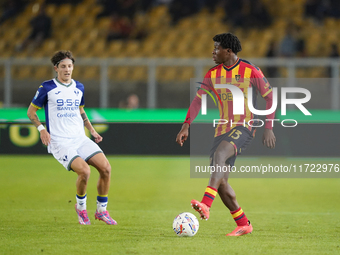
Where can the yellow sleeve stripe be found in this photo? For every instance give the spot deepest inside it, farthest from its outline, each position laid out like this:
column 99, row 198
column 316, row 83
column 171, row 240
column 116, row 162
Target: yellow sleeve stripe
column 267, row 93
column 211, row 191
column 198, row 95
column 235, row 215
column 35, row 106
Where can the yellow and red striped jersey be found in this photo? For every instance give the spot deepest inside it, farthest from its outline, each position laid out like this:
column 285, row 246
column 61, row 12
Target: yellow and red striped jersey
column 242, row 74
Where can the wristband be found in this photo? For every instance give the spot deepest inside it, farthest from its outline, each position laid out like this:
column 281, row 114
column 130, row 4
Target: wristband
column 41, row 127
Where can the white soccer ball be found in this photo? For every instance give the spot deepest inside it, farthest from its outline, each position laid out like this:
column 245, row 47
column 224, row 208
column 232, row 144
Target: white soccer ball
column 185, row 224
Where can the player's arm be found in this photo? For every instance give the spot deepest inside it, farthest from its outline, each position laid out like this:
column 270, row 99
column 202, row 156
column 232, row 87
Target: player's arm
column 263, row 86
column 97, row 138
column 193, row 111
column 32, row 115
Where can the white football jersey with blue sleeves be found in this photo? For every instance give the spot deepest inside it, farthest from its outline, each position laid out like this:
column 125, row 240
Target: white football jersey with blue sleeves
column 61, row 103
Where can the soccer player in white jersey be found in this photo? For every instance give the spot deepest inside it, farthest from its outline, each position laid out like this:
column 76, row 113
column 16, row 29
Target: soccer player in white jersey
column 64, row 136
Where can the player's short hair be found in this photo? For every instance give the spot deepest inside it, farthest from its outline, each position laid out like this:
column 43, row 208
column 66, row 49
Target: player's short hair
column 60, row 55
column 228, row 40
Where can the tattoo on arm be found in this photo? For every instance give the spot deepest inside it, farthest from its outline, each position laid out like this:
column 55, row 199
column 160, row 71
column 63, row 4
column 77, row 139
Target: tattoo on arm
column 34, row 119
column 83, row 115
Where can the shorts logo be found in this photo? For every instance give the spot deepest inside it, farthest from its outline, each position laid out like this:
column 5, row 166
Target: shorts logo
column 237, row 77
column 65, row 158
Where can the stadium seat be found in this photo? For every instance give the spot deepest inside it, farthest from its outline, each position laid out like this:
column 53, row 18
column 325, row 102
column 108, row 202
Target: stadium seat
column 167, row 73
column 121, row 73
column 115, row 49
column 51, row 10
column 132, row 49
column 42, row 73
column 98, row 50
column 48, row 47
column 139, row 73
column 22, row 72
column 91, row 73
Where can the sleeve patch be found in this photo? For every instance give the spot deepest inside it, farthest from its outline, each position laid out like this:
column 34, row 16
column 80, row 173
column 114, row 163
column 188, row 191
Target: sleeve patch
column 36, row 95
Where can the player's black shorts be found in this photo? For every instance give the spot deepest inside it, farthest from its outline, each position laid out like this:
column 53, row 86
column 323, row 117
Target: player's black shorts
column 240, row 137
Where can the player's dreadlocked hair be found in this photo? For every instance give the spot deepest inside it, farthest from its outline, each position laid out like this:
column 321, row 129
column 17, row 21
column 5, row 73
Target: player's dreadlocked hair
column 228, row 40
column 60, row 55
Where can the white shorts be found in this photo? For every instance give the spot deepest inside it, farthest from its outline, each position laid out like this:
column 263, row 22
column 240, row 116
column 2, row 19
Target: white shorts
column 66, row 150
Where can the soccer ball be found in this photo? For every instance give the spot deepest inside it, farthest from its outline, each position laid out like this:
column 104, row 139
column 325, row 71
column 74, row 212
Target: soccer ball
column 185, row 224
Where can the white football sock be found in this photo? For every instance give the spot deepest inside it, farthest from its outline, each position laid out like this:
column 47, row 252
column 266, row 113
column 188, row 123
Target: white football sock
column 81, row 203
column 101, row 206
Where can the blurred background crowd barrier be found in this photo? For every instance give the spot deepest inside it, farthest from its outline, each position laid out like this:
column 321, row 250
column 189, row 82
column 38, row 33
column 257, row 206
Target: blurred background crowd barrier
column 158, row 82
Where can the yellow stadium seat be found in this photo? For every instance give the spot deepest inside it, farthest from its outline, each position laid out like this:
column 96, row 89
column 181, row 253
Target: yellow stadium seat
column 51, row 10
column 64, row 11
column 132, row 49
column 91, row 73
column 121, row 73
column 43, row 72
column 82, row 48
column 67, row 45
column 167, row 73
column 139, row 73
column 98, row 49
column 186, row 73
column 81, row 10
column 22, row 72
column 115, row 49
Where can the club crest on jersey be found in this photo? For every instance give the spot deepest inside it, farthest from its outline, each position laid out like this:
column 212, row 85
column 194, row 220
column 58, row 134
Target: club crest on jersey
column 237, row 77
column 76, row 92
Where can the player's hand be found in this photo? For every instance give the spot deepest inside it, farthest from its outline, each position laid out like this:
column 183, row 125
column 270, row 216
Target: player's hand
column 183, row 134
column 45, row 137
column 97, row 137
column 268, row 138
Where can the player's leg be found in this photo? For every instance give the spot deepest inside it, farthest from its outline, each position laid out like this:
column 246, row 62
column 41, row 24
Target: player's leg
column 228, row 197
column 82, row 169
column 100, row 162
column 227, row 193
column 223, row 151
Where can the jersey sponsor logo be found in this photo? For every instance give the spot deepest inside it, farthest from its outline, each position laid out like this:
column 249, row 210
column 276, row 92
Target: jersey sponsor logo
column 57, row 92
column 66, row 115
column 67, row 104
column 226, row 96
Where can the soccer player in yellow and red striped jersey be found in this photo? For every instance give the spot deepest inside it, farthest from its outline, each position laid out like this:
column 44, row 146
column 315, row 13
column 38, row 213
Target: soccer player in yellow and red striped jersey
column 235, row 135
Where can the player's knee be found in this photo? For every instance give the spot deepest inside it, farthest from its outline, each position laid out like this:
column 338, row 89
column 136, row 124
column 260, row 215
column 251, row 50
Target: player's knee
column 221, row 156
column 105, row 170
column 223, row 152
column 85, row 173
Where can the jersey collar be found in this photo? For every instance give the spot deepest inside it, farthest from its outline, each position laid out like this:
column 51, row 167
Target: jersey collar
column 66, row 85
column 228, row 68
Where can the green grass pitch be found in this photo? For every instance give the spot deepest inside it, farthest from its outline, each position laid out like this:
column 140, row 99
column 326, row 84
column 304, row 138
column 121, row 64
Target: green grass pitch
column 37, row 197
